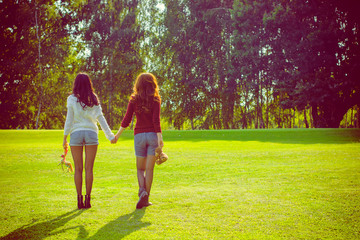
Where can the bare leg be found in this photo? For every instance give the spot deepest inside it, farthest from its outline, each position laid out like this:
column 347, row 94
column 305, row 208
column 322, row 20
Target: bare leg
column 149, row 174
column 145, row 173
column 90, row 154
column 77, row 154
column 141, row 166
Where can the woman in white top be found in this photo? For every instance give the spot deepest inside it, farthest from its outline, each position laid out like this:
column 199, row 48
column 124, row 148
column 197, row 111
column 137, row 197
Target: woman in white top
column 83, row 113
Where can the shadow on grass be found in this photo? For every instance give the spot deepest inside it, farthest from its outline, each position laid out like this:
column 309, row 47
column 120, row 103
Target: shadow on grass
column 122, row 226
column 46, row 229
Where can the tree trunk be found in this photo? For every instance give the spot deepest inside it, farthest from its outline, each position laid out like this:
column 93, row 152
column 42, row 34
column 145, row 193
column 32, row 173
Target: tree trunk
column 279, row 118
column 229, row 104
column 311, row 118
column 329, row 115
column 246, row 121
column 40, row 71
column 110, row 90
column 315, row 116
column 242, row 118
column 260, row 117
column 260, row 113
column 357, row 116
column 267, row 109
column 305, row 119
column 298, row 119
column 256, row 106
column 345, row 120
column 294, row 117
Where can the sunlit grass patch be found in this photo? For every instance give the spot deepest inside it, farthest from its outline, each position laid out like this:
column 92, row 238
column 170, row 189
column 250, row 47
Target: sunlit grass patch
column 251, row 184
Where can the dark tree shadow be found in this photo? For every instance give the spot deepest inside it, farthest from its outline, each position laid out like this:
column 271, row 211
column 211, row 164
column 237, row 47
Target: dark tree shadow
column 43, row 230
column 122, row 226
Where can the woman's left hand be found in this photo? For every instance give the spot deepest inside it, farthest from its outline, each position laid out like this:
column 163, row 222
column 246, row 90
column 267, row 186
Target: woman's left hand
column 160, row 140
column 161, row 143
column 114, row 140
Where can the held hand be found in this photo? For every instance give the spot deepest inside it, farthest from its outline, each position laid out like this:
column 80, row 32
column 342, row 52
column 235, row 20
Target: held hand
column 114, row 140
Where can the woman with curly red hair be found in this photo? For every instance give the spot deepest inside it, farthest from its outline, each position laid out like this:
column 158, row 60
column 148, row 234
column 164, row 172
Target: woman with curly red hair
column 145, row 102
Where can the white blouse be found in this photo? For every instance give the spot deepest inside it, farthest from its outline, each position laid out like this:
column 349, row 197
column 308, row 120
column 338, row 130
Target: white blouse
column 78, row 118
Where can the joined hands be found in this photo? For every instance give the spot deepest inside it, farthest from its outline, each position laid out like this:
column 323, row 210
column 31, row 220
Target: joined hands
column 116, row 138
column 117, row 135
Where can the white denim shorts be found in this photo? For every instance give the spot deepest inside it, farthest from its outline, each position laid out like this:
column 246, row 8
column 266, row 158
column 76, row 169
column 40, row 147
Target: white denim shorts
column 145, row 144
column 83, row 137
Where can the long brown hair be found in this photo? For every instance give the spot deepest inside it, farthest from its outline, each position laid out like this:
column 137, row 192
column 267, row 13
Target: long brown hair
column 84, row 91
column 145, row 92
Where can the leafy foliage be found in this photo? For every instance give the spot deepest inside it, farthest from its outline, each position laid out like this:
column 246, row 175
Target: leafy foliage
column 220, row 64
column 113, row 36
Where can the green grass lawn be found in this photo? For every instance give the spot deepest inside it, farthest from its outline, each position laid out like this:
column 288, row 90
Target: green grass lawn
column 236, row 184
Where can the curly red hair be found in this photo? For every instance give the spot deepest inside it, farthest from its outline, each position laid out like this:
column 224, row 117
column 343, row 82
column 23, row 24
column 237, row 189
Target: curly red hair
column 145, row 92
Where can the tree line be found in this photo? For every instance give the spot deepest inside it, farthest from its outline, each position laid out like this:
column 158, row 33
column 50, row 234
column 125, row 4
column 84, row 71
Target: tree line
column 221, row 64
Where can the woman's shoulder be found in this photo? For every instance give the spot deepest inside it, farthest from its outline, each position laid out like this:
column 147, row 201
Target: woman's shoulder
column 72, row 97
column 132, row 99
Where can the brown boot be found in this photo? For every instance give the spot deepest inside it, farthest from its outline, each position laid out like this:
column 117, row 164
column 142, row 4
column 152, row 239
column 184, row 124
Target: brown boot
column 80, row 202
column 87, row 201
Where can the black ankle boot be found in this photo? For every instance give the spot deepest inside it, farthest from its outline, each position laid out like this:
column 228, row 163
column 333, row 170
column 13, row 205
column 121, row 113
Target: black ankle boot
column 87, row 201
column 80, row 202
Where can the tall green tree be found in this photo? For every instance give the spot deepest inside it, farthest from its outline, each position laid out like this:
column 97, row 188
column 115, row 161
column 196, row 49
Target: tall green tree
column 26, row 26
column 112, row 34
column 316, row 44
column 212, row 31
column 302, row 52
column 220, row 64
column 180, row 98
column 197, row 46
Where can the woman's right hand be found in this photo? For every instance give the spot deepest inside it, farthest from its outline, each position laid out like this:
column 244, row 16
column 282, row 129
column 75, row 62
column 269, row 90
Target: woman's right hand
column 65, row 144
